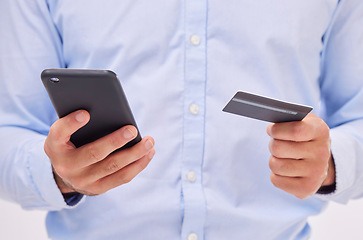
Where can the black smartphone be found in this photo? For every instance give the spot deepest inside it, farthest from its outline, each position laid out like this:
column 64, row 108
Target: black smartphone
column 97, row 91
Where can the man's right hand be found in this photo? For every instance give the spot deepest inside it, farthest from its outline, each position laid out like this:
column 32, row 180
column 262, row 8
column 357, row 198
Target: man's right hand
column 92, row 169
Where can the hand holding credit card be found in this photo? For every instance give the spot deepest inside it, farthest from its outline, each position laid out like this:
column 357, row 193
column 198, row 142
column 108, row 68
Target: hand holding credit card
column 266, row 109
column 301, row 162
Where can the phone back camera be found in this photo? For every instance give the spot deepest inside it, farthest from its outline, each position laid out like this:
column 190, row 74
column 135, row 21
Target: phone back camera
column 54, row 80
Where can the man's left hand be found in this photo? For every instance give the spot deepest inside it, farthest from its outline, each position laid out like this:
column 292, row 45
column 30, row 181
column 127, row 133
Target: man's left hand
column 301, row 161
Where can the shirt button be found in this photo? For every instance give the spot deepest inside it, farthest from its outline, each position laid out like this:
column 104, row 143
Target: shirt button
column 194, row 109
column 192, row 236
column 195, row 40
column 191, row 176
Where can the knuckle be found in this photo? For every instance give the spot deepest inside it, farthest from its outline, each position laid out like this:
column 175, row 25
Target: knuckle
column 115, row 141
column 54, row 133
column 93, row 153
column 112, row 166
column 273, row 165
column 48, row 149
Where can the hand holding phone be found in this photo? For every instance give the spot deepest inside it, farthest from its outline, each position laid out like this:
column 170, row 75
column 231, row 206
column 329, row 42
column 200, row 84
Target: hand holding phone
column 91, row 166
column 91, row 169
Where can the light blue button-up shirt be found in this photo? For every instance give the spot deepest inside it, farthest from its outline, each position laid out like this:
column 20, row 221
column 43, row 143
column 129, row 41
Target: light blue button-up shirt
column 180, row 62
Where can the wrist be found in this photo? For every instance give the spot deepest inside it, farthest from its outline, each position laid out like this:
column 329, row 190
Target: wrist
column 329, row 184
column 330, row 177
column 62, row 186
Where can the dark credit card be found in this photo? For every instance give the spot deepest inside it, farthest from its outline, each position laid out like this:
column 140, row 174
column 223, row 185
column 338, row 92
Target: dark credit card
column 266, row 109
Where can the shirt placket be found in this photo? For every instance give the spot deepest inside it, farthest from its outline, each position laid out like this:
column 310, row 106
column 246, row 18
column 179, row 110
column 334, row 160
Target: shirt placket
column 194, row 119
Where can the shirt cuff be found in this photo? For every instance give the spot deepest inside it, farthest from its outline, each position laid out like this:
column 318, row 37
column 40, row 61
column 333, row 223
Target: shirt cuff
column 72, row 198
column 344, row 154
column 43, row 182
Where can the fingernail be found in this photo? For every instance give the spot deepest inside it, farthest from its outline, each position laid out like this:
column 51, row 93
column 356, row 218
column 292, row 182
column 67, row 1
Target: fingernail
column 128, row 134
column 148, row 145
column 80, row 117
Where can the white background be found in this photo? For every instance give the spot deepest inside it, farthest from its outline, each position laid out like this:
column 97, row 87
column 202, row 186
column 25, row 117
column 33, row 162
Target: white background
column 338, row 222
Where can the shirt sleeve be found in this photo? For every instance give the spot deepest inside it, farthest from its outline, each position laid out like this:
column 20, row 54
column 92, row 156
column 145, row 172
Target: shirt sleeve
column 29, row 43
column 342, row 95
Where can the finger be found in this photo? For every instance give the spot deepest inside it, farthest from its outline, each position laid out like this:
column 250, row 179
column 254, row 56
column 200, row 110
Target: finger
column 310, row 128
column 121, row 159
column 301, row 187
column 125, row 175
column 289, row 167
column 61, row 131
column 291, row 131
column 101, row 148
column 88, row 176
column 289, row 149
